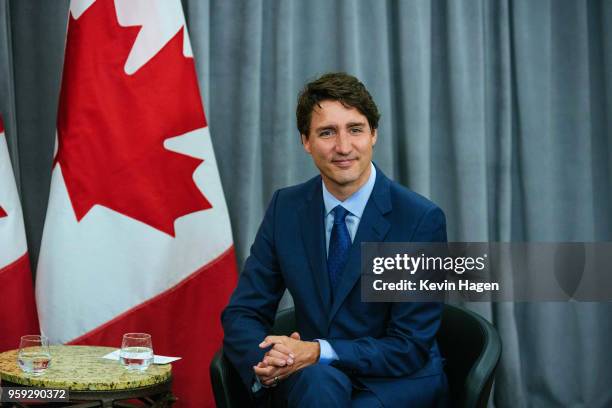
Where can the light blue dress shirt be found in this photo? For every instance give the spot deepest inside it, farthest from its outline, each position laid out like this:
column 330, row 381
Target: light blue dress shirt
column 355, row 204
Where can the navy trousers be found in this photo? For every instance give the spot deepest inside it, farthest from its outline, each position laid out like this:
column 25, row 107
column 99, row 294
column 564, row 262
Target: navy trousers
column 321, row 385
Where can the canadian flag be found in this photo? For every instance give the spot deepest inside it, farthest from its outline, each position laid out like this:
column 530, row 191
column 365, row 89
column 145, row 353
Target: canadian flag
column 17, row 308
column 137, row 236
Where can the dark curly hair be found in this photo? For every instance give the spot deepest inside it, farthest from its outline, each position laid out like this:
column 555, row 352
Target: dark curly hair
column 335, row 86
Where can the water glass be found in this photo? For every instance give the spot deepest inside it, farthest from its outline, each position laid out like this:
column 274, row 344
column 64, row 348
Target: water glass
column 34, row 355
column 136, row 351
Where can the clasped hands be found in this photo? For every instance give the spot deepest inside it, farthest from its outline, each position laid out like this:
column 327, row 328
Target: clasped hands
column 287, row 355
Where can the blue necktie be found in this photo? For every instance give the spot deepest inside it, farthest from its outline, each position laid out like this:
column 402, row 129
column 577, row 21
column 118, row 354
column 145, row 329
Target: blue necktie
column 339, row 245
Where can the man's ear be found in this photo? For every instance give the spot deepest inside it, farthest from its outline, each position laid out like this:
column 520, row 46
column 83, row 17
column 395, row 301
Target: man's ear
column 305, row 142
column 374, row 136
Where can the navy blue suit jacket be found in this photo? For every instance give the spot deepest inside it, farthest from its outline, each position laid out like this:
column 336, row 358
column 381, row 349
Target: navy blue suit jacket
column 386, row 346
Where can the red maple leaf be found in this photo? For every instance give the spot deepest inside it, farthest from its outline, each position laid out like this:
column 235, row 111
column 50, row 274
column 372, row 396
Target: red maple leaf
column 112, row 126
column 2, row 212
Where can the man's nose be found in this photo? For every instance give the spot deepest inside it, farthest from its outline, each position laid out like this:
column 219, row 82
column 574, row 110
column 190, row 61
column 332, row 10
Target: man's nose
column 343, row 143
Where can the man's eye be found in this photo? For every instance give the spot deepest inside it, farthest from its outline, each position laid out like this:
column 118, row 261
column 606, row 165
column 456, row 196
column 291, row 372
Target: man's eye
column 325, row 133
column 356, row 130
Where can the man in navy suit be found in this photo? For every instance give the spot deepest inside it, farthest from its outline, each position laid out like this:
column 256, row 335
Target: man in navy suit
column 345, row 352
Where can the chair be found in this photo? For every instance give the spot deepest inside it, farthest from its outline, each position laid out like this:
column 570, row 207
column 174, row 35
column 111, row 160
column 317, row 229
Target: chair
column 472, row 348
column 470, row 345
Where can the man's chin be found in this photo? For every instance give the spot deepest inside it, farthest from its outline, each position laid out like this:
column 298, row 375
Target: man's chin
column 343, row 180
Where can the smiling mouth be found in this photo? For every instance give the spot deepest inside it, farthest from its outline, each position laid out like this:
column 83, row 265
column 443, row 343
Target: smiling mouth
column 343, row 163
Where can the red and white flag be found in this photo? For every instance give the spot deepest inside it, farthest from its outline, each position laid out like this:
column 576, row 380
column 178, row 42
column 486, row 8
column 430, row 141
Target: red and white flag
column 17, row 308
column 137, row 236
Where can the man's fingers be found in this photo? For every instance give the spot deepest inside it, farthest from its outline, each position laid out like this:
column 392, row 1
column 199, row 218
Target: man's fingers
column 266, row 375
column 295, row 335
column 284, row 349
column 277, row 354
column 269, row 340
column 272, row 381
column 264, row 371
column 278, row 362
column 280, row 372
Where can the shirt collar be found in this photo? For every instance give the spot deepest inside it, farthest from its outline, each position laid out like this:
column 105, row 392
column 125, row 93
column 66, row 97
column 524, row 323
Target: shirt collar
column 356, row 202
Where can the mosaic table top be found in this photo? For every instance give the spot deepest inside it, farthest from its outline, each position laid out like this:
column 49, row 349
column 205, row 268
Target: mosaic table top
column 82, row 368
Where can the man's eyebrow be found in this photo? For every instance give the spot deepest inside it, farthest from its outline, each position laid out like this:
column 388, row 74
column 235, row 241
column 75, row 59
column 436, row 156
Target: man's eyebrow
column 325, row 127
column 333, row 126
column 351, row 124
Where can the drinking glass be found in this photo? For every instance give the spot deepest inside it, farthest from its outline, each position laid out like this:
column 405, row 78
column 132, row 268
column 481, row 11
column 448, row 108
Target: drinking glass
column 136, row 351
column 34, row 355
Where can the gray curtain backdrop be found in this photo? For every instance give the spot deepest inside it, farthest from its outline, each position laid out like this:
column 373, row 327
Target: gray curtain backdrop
column 499, row 111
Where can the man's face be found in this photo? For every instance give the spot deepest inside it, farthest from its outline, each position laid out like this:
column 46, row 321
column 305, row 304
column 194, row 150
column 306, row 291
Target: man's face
column 340, row 143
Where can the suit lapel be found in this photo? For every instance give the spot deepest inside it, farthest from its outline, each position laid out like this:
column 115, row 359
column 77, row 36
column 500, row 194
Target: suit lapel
column 313, row 234
column 373, row 227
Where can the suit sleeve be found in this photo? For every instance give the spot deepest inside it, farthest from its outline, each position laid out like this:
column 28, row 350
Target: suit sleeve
column 249, row 316
column 411, row 328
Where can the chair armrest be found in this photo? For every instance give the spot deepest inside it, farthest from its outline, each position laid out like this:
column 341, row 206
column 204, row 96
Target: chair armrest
column 227, row 386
